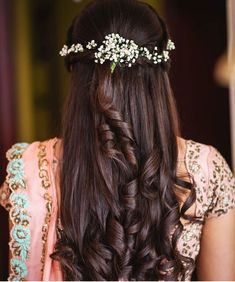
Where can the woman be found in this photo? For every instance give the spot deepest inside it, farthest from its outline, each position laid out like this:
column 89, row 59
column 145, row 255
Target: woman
column 120, row 195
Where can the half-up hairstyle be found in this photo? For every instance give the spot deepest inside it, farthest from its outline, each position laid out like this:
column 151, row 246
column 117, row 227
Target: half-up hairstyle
column 118, row 174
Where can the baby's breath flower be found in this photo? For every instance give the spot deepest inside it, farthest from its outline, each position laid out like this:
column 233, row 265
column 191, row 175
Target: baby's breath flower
column 91, row 45
column 120, row 51
column 64, row 51
column 170, row 45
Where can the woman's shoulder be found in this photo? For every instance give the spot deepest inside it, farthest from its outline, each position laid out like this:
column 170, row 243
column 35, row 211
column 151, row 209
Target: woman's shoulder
column 213, row 178
column 26, row 163
column 199, row 155
column 26, row 154
column 31, row 151
column 206, row 162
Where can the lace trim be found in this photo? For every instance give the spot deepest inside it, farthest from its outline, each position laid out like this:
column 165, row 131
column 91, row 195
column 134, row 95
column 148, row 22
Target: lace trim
column 19, row 214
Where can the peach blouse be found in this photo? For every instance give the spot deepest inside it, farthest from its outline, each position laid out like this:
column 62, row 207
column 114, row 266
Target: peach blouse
column 29, row 194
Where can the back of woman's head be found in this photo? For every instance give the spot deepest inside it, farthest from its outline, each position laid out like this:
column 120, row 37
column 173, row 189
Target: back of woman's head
column 118, row 177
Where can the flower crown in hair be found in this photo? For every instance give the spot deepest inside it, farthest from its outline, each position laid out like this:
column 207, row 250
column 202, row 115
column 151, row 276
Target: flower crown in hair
column 120, row 51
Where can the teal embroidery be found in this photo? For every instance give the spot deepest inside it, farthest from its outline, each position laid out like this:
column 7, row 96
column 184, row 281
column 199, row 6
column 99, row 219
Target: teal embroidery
column 15, row 169
column 19, row 214
column 16, row 150
column 20, row 200
column 21, row 236
column 20, row 269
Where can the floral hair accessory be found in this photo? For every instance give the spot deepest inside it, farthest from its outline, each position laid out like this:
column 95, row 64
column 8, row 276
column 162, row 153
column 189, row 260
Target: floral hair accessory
column 120, row 51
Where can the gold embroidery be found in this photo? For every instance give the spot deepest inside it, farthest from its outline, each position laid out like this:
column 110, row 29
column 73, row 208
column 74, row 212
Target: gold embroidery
column 191, row 233
column 45, row 180
column 222, row 186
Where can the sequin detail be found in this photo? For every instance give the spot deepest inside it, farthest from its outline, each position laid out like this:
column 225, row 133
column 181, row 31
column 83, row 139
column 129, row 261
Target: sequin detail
column 221, row 186
column 191, row 233
column 45, row 180
column 191, row 239
column 194, row 166
column 19, row 214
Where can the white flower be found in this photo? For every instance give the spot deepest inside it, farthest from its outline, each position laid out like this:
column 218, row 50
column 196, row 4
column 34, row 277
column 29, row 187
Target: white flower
column 64, row 51
column 92, row 44
column 121, row 51
column 170, row 45
column 79, row 48
column 166, row 55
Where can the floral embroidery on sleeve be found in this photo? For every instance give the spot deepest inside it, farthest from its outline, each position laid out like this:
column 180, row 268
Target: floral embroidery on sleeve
column 221, row 185
column 19, row 215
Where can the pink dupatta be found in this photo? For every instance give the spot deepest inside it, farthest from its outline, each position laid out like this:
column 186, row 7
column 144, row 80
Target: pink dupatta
column 33, row 211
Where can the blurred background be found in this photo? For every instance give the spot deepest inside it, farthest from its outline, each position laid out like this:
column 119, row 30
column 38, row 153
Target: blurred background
column 34, row 83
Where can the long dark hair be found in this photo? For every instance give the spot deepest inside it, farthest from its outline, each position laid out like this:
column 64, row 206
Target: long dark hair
column 118, row 177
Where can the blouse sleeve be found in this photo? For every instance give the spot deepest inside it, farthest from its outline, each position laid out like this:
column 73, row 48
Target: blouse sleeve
column 221, row 193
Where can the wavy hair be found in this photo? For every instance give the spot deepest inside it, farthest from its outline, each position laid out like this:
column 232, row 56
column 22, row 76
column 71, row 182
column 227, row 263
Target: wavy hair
column 119, row 210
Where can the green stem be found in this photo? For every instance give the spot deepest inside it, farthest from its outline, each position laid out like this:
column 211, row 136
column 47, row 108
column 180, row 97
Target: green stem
column 113, row 66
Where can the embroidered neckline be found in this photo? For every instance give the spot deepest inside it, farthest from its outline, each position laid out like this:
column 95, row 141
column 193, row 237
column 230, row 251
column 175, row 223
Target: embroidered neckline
column 19, row 214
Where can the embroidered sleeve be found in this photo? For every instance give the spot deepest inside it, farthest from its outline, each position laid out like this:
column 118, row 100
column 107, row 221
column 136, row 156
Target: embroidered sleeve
column 221, row 185
column 18, row 211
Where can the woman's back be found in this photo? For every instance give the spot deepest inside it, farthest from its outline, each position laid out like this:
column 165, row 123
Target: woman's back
column 35, row 167
column 126, row 180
